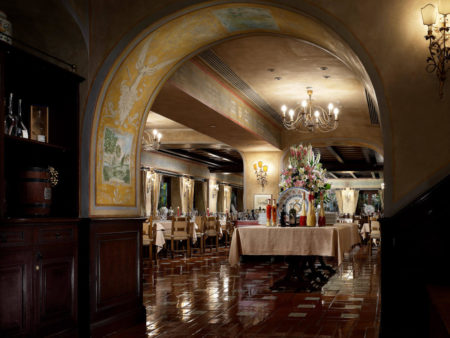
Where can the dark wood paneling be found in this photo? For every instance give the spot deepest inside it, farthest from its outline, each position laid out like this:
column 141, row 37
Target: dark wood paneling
column 414, row 254
column 56, row 289
column 15, row 293
column 110, row 275
column 117, row 269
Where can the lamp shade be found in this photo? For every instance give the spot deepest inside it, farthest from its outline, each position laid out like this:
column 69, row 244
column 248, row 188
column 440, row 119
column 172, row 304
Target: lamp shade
column 265, row 168
column 260, row 164
column 254, row 166
column 444, row 7
column 429, row 15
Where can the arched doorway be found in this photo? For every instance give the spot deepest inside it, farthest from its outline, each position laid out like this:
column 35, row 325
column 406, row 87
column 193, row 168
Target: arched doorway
column 118, row 110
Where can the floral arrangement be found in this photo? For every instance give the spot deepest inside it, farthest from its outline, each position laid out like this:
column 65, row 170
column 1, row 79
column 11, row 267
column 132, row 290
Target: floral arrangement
column 304, row 171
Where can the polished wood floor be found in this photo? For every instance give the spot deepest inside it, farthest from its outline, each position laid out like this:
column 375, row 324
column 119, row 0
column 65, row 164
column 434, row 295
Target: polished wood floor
column 205, row 297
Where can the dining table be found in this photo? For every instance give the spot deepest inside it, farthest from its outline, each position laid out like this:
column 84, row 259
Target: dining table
column 301, row 245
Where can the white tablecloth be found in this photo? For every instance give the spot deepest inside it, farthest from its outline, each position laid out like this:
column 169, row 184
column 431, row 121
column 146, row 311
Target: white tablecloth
column 297, row 241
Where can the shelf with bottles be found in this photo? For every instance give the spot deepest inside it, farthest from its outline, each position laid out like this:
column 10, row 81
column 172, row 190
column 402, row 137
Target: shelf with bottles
column 16, row 140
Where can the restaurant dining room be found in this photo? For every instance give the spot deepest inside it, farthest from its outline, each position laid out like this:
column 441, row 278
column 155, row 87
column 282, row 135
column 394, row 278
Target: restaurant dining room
column 224, row 169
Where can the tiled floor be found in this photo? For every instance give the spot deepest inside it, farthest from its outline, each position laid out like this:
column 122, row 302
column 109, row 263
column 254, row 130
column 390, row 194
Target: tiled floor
column 205, row 297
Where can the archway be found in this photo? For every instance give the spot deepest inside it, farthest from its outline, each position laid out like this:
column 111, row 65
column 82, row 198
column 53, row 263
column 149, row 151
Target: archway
column 117, row 112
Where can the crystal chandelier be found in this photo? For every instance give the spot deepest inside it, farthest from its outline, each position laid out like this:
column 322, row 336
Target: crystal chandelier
column 309, row 117
column 153, row 140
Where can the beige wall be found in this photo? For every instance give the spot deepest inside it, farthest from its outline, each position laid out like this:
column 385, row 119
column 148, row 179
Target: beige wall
column 251, row 186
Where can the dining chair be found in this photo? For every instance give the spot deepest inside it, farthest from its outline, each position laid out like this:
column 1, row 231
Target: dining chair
column 375, row 234
column 198, row 245
column 211, row 229
column 148, row 236
column 180, row 233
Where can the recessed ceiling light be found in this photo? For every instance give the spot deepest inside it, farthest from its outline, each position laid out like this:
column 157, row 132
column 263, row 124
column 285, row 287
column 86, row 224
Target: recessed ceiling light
column 212, row 126
column 324, row 68
column 326, row 76
column 271, row 70
column 278, row 78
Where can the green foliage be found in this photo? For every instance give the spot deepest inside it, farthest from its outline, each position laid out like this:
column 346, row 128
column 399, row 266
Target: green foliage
column 110, row 141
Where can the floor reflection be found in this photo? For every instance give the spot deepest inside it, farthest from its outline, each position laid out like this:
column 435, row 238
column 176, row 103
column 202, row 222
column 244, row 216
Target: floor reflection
column 204, row 296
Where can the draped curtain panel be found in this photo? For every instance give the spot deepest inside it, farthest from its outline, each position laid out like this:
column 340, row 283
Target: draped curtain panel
column 183, row 195
column 156, row 186
column 355, row 201
column 338, row 194
column 220, row 198
column 191, row 184
column 142, row 192
column 205, row 197
column 227, row 198
column 349, row 200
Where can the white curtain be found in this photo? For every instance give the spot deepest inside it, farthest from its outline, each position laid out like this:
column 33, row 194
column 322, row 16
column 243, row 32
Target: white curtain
column 147, row 193
column 191, row 185
column 183, row 195
column 227, row 198
column 349, row 201
column 338, row 194
column 156, row 186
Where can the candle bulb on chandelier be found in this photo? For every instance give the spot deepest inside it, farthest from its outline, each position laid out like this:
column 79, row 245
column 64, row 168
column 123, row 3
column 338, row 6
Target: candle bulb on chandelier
column 336, row 112
column 330, row 108
column 283, row 109
column 291, row 114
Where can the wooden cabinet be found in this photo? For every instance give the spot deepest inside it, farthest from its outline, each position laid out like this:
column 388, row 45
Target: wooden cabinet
column 38, row 256
column 38, row 277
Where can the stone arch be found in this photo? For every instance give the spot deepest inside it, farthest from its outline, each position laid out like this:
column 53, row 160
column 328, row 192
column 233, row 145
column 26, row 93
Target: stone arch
column 124, row 91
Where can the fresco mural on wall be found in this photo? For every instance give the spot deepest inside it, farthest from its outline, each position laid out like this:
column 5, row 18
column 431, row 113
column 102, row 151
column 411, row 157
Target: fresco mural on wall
column 116, row 157
column 244, row 18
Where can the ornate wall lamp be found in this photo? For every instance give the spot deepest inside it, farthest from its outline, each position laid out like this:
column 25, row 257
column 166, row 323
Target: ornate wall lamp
column 261, row 172
column 438, row 36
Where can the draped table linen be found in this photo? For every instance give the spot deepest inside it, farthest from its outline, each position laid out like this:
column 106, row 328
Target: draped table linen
column 331, row 241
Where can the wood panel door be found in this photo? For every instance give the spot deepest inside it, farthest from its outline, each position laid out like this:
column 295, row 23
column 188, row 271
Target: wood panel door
column 15, row 293
column 55, row 289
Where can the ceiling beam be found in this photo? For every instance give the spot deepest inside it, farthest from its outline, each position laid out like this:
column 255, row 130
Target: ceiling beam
column 227, row 169
column 216, row 154
column 331, row 174
column 335, row 153
column 186, row 155
column 358, row 166
column 373, row 174
column 352, row 174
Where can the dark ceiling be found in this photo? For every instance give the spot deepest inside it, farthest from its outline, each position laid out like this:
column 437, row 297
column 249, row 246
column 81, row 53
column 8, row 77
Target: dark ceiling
column 340, row 161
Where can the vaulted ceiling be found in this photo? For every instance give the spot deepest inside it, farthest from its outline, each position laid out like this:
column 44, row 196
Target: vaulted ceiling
column 262, row 73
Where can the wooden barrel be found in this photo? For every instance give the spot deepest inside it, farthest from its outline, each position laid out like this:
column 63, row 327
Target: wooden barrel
column 35, row 192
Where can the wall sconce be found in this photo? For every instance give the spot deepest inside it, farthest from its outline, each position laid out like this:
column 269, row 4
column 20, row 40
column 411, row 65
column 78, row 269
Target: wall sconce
column 261, row 172
column 214, row 189
column 439, row 51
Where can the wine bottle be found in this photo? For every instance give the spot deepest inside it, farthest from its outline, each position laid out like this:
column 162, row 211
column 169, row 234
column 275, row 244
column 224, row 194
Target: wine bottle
column 283, row 216
column 268, row 213
column 274, row 213
column 311, row 218
column 322, row 220
column 303, row 213
column 10, row 125
column 22, row 131
column 292, row 217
